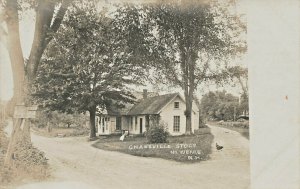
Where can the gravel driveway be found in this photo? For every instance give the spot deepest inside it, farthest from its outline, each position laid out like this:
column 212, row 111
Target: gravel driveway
column 76, row 164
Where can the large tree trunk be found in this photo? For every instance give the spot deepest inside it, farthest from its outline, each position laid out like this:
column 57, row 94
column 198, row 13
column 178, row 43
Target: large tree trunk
column 17, row 64
column 188, row 114
column 189, row 87
column 15, row 51
column 45, row 12
column 92, row 112
column 43, row 19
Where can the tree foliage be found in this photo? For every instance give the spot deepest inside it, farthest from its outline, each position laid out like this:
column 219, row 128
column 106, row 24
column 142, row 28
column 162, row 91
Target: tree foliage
column 221, row 105
column 240, row 74
column 89, row 64
column 193, row 42
column 58, row 119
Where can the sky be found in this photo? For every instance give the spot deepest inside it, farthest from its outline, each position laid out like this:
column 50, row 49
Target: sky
column 6, row 85
column 26, row 35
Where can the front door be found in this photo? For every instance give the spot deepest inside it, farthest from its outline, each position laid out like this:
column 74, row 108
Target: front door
column 118, row 123
column 103, row 126
column 141, row 125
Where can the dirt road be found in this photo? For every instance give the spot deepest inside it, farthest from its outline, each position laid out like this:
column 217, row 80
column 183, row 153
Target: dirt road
column 75, row 164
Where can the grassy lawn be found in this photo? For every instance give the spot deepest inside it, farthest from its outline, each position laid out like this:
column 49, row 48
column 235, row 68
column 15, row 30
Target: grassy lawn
column 243, row 131
column 62, row 131
column 189, row 149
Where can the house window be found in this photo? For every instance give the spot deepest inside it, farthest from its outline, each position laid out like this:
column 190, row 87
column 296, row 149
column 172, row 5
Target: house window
column 176, row 124
column 176, row 105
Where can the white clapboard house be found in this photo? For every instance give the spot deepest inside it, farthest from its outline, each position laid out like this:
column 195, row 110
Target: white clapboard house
column 149, row 109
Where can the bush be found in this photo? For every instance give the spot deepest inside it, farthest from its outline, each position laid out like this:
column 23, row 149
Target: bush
column 3, row 148
column 236, row 124
column 157, row 134
column 28, row 161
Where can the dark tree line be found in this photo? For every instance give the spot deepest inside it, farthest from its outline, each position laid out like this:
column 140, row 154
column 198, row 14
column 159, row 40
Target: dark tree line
column 221, row 105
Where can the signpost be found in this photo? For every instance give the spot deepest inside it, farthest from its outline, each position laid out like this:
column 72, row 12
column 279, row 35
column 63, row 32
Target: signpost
column 26, row 112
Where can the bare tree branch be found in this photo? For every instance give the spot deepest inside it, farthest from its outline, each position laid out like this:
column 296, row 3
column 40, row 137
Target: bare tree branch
column 58, row 19
column 44, row 32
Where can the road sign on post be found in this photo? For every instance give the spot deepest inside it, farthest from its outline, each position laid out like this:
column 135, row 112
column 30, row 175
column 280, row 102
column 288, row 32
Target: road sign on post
column 22, row 111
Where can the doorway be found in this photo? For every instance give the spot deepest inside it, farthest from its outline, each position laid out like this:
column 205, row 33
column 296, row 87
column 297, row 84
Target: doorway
column 141, row 125
column 118, row 123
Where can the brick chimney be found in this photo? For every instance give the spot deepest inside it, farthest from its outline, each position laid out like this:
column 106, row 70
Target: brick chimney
column 145, row 93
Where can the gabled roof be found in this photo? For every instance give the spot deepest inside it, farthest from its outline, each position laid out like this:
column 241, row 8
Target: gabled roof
column 152, row 105
column 114, row 110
